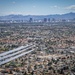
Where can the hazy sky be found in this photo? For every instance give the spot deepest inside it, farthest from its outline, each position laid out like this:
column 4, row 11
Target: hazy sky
column 36, row 7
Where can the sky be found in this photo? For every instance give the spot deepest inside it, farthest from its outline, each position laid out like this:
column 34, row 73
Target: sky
column 36, row 7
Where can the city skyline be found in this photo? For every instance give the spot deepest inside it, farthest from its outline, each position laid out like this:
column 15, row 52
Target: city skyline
column 36, row 7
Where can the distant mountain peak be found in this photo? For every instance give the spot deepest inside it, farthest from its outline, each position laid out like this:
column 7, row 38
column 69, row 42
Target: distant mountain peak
column 70, row 15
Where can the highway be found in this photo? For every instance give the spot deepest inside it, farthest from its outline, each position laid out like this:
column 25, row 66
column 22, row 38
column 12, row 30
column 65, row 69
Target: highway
column 15, row 53
column 14, row 50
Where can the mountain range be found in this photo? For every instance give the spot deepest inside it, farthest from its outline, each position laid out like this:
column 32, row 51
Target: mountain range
column 70, row 15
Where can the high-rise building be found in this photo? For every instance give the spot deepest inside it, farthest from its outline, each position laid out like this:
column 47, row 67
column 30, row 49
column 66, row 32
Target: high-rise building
column 53, row 20
column 48, row 19
column 30, row 20
column 45, row 19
